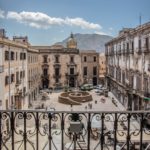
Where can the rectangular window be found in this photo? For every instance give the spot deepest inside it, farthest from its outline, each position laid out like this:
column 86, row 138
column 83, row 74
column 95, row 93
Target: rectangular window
column 132, row 45
column 24, row 56
column 56, row 59
column 139, row 44
column 71, row 70
column 147, row 42
column 45, row 72
column 6, row 80
column 94, row 58
column 21, row 75
column 12, row 78
column 24, row 90
column 45, row 59
column 12, row 56
column 6, row 55
column 12, row 98
column 17, row 77
column 94, row 70
column 72, row 59
column 85, row 71
column 56, row 71
column 20, row 56
column 85, row 59
column 127, row 46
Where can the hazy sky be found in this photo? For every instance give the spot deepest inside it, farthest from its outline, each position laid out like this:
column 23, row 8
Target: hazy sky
column 48, row 21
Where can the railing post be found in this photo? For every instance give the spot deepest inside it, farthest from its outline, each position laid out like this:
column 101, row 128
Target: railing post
column 115, row 131
column 102, row 131
column 128, row 132
column 12, row 129
column 75, row 140
column 25, row 134
column 141, row 130
column 37, row 130
column 62, row 132
column 89, row 130
column 50, row 136
column 0, row 131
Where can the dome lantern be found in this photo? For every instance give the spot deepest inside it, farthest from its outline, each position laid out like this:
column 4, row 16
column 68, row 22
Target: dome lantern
column 71, row 43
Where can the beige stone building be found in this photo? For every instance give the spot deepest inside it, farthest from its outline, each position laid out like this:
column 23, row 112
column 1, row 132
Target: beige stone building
column 67, row 66
column 102, row 68
column 14, row 72
column 24, row 69
column 128, row 67
column 60, row 66
column 90, row 66
column 34, row 75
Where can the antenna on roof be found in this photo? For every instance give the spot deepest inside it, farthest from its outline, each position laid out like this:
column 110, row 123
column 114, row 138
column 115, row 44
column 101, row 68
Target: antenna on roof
column 140, row 19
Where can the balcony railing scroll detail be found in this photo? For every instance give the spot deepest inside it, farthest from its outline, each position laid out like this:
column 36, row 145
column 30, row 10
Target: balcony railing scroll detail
column 55, row 130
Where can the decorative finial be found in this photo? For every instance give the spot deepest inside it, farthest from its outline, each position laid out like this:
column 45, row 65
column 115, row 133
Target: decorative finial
column 71, row 35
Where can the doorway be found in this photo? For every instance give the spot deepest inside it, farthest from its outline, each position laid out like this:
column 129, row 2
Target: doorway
column 95, row 81
column 45, row 83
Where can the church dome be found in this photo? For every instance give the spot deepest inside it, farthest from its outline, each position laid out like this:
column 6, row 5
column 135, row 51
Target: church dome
column 71, row 43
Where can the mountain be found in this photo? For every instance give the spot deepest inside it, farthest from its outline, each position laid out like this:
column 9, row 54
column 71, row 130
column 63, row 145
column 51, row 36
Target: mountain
column 89, row 41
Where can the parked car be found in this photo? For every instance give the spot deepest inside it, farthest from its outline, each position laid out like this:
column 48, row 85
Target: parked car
column 98, row 91
column 98, row 86
column 87, row 87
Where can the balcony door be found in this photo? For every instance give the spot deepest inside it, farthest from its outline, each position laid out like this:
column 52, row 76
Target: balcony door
column 72, row 82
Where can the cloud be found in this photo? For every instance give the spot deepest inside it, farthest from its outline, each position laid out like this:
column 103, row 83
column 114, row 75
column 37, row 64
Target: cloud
column 101, row 33
column 82, row 23
column 2, row 14
column 41, row 20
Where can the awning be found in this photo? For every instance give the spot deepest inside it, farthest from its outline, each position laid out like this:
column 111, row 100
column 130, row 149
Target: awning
column 147, row 98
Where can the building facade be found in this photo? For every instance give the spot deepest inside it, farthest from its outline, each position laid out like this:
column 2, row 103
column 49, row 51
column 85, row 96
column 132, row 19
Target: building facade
column 102, row 68
column 24, row 69
column 128, row 67
column 14, row 66
column 67, row 66
column 34, row 75
column 13, row 74
column 90, row 66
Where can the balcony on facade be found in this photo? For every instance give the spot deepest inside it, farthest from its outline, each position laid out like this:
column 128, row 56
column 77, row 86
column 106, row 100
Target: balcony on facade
column 56, row 75
column 18, row 82
column 58, row 130
column 71, row 64
column 74, row 74
column 45, row 65
column 45, row 76
column 57, row 65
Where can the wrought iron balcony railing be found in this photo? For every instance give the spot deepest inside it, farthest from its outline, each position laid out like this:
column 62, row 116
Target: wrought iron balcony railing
column 42, row 130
